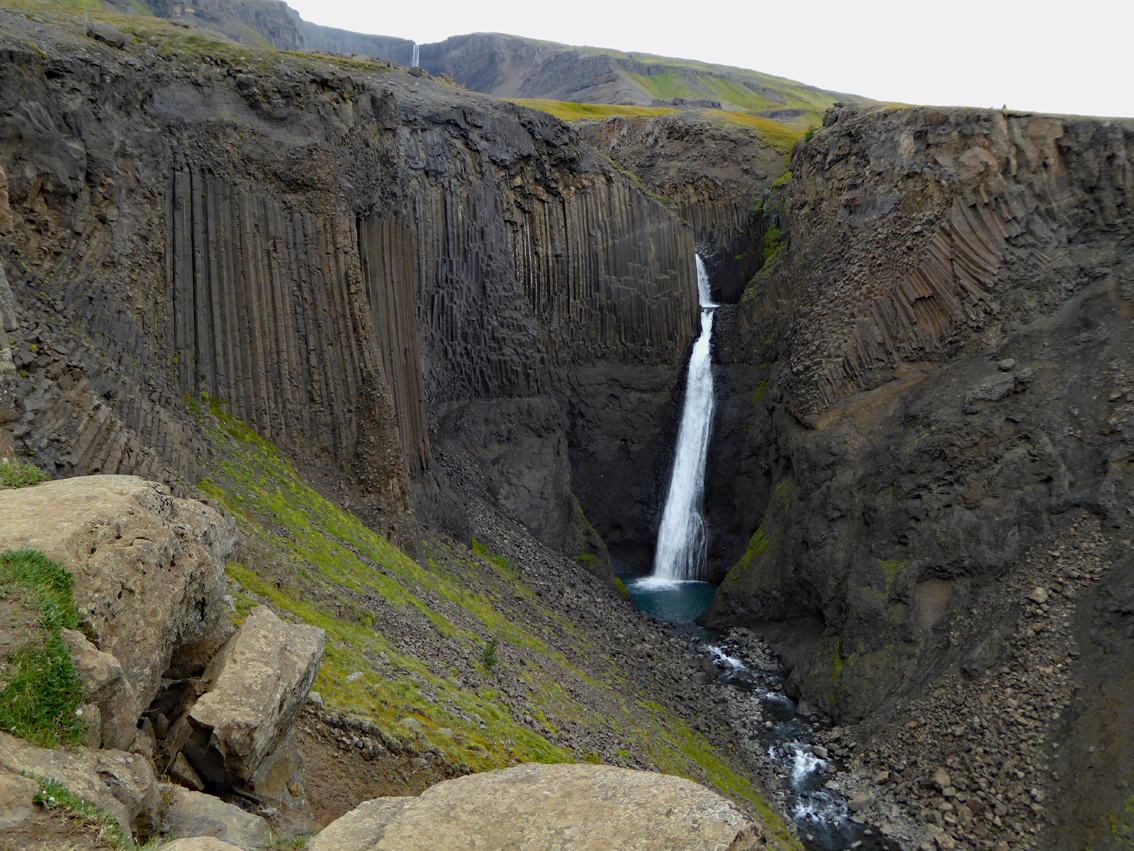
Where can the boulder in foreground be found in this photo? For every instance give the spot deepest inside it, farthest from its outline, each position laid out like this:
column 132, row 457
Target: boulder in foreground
column 567, row 807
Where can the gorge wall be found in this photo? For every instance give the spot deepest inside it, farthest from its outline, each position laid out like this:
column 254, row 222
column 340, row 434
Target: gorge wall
column 715, row 174
column 943, row 415
column 349, row 259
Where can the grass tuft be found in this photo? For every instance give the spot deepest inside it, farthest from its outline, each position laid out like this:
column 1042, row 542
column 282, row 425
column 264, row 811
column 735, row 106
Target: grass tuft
column 18, row 473
column 53, row 795
column 40, row 686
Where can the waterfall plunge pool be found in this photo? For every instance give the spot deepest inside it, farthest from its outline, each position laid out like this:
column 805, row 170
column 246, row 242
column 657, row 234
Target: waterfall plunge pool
column 675, row 601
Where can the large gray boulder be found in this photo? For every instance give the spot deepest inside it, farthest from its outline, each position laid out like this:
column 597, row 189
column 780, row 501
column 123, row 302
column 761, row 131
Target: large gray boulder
column 567, row 807
column 148, row 568
column 193, row 814
column 200, row 843
column 253, row 693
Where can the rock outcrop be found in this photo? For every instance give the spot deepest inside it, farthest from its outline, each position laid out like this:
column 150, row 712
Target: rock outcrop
column 192, row 814
column 148, row 586
column 253, row 692
column 148, row 574
column 572, row 807
column 120, row 784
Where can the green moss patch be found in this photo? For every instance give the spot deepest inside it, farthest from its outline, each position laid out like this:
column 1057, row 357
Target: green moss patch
column 757, row 545
column 892, row 568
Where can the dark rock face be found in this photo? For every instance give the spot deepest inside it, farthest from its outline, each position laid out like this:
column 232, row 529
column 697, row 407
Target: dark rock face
column 338, row 261
column 715, row 175
column 714, row 172
column 334, row 40
column 945, row 342
column 270, row 22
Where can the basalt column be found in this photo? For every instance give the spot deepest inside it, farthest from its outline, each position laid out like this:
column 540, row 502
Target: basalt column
column 389, row 273
column 268, row 314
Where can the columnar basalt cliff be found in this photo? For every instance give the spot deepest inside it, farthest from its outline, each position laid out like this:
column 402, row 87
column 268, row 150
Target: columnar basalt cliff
column 335, row 256
column 714, row 170
column 715, row 173
column 943, row 416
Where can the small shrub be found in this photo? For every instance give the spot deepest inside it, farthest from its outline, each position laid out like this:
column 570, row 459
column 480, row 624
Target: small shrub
column 488, row 656
column 18, row 473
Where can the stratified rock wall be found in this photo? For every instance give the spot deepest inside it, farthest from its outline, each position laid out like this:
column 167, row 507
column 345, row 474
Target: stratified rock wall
column 948, row 340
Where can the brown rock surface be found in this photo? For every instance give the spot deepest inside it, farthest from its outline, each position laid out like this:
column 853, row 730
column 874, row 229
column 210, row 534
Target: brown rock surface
column 120, row 784
column 572, row 807
column 192, row 814
column 105, row 687
column 201, row 844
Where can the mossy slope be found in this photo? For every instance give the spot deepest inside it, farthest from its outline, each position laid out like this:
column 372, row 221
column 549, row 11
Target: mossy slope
column 407, row 640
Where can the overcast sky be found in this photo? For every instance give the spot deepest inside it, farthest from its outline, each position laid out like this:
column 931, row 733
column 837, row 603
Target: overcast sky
column 1072, row 57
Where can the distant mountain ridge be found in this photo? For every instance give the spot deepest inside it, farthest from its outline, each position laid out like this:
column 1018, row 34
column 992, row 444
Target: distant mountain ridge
column 509, row 66
column 513, row 67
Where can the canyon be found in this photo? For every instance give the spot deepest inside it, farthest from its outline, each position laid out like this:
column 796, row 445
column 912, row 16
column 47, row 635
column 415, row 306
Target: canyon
column 452, row 332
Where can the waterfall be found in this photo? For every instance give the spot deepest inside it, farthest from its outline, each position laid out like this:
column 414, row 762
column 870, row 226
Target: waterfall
column 682, row 540
column 416, row 56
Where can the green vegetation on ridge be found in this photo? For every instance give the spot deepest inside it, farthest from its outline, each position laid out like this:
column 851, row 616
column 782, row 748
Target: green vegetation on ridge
column 18, row 473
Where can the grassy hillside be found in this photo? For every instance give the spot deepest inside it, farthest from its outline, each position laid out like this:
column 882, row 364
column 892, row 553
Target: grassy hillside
column 458, row 653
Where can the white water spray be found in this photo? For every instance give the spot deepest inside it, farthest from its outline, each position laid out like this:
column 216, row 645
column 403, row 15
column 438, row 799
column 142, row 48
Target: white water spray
column 416, row 56
column 682, row 540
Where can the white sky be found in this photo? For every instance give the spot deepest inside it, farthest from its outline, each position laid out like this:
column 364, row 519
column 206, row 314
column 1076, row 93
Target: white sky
column 1067, row 57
